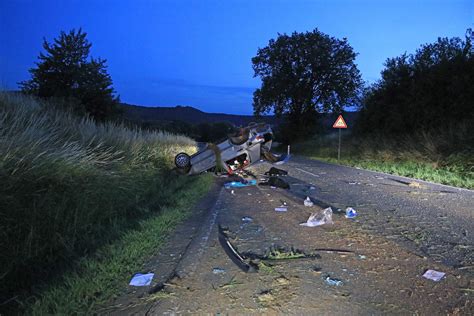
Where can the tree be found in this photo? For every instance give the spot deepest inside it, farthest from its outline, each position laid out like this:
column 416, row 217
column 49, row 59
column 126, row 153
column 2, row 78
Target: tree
column 305, row 74
column 430, row 90
column 66, row 72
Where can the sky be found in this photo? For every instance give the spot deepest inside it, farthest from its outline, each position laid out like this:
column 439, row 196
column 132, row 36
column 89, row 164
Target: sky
column 198, row 53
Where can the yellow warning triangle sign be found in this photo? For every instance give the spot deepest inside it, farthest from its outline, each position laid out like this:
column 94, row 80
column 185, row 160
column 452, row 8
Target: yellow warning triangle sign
column 340, row 123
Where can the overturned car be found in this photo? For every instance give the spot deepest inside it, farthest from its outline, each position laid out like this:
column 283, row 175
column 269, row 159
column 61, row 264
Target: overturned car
column 249, row 145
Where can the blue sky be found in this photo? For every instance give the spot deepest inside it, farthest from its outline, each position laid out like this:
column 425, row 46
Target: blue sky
column 198, row 53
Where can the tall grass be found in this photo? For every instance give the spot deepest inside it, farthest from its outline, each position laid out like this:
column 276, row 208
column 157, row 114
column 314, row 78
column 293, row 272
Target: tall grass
column 69, row 185
column 445, row 156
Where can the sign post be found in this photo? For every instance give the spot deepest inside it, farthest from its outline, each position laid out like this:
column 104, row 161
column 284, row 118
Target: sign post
column 339, row 124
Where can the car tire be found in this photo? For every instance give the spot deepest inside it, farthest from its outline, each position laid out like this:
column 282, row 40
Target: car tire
column 182, row 161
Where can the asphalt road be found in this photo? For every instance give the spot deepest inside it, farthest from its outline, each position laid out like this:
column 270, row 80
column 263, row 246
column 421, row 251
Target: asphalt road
column 404, row 227
column 442, row 217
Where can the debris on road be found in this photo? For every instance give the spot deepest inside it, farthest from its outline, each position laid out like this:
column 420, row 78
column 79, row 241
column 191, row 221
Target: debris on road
column 247, row 219
column 319, row 218
column 236, row 258
column 240, row 184
column 218, row 270
column 434, row 275
column 283, row 159
column 333, row 250
column 414, row 184
column 141, row 279
column 332, row 281
column 274, row 181
column 308, row 202
column 350, row 212
column 281, row 209
column 276, row 172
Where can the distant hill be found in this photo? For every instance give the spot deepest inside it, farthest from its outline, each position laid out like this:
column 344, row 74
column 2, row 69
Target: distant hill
column 189, row 115
column 192, row 115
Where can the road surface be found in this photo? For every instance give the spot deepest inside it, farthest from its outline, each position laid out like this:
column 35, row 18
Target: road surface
column 403, row 228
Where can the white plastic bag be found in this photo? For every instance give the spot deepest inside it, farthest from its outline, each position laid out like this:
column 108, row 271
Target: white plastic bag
column 319, row 218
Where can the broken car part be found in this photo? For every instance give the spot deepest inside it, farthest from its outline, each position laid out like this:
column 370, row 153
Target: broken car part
column 230, row 250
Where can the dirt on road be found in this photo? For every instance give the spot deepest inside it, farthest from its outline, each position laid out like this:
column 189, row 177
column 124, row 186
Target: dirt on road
column 379, row 256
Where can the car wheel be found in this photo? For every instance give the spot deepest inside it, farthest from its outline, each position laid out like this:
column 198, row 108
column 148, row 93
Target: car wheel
column 182, row 161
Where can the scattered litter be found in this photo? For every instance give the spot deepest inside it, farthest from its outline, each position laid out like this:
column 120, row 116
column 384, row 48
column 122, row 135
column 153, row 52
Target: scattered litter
column 281, row 209
column 218, row 270
column 283, row 203
column 362, row 257
column 276, row 182
column 414, row 184
column 283, row 159
column 141, row 279
column 273, row 187
column 249, row 193
column 350, row 212
column 319, row 218
column 232, row 192
column 308, row 202
column 316, row 270
column 240, row 184
column 312, row 188
column 332, row 281
column 434, row 275
column 247, row 219
column 276, row 172
column 352, row 182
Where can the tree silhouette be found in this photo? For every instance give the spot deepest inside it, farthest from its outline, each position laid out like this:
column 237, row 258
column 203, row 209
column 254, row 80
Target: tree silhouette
column 431, row 89
column 65, row 71
column 304, row 74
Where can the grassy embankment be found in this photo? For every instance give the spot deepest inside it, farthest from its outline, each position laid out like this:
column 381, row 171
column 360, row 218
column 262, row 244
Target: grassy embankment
column 445, row 157
column 82, row 206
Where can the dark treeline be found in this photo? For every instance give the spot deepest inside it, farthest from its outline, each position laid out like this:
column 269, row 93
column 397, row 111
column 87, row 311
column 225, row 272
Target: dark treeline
column 430, row 90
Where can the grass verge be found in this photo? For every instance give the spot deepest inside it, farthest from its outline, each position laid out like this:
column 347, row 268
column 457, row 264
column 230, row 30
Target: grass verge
column 426, row 157
column 70, row 186
column 99, row 277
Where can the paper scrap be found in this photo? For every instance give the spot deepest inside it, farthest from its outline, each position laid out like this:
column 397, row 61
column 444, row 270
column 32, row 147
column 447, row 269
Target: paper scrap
column 434, row 275
column 140, row 279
